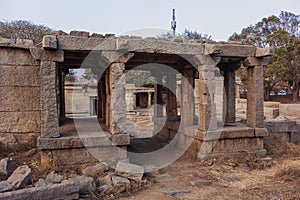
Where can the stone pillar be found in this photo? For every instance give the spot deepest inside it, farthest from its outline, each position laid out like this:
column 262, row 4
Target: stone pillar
column 187, row 95
column 117, row 109
column 158, row 100
column 49, row 110
column 229, row 84
column 171, row 103
column 255, row 94
column 207, row 107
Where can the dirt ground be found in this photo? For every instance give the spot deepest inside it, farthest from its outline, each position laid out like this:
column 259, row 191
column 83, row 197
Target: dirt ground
column 228, row 180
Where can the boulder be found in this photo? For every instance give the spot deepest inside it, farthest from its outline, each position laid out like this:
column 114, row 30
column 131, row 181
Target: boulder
column 42, row 183
column 130, row 171
column 20, row 177
column 118, row 180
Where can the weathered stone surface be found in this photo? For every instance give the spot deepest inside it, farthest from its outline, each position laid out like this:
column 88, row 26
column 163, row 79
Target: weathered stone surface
column 18, row 43
column 5, row 186
column 54, row 178
column 282, row 126
column 255, row 97
column 20, row 177
column 79, row 33
column 49, row 114
column 20, row 76
column 84, row 183
column 261, row 132
column 130, row 171
column 6, row 166
column 73, row 142
column 261, row 52
column 95, row 170
column 120, row 139
column 47, row 55
column 49, row 42
column 232, row 50
column 17, row 57
column 82, row 43
column 20, row 122
column 66, row 191
column 117, row 180
column 19, row 99
column 42, row 183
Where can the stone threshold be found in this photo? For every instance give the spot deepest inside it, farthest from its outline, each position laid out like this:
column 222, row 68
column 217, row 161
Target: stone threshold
column 67, row 141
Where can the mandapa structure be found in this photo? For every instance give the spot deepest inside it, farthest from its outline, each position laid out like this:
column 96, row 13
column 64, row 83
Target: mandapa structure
column 32, row 94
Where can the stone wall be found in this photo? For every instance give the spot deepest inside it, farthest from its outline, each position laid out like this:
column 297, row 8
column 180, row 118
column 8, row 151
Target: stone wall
column 20, row 99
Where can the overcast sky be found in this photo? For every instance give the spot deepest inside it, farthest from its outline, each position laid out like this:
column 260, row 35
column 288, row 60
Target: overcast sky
column 220, row 19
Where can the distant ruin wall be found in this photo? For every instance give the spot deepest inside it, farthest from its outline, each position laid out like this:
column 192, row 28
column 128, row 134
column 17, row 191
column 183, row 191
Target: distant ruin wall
column 19, row 97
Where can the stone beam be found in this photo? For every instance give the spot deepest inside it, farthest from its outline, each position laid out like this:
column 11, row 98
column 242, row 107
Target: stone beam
column 230, row 50
column 262, row 52
column 49, row 42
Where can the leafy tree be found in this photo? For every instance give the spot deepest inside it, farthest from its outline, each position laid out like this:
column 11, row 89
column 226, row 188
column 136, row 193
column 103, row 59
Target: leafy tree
column 140, row 78
column 188, row 34
column 282, row 33
column 24, row 30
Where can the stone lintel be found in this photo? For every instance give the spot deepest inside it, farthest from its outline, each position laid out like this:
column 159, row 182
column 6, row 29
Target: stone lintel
column 49, row 42
column 230, row 50
column 76, row 43
column 47, row 55
column 262, row 52
column 211, row 49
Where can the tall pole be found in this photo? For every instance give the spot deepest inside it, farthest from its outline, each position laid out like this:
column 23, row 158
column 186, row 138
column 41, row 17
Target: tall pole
column 173, row 23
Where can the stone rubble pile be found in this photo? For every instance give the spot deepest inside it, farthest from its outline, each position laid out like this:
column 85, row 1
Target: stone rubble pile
column 97, row 179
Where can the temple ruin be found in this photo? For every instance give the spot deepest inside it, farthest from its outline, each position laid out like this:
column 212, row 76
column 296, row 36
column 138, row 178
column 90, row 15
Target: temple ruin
column 33, row 100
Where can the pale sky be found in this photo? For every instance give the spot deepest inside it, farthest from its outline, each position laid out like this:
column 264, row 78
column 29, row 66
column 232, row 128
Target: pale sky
column 220, row 19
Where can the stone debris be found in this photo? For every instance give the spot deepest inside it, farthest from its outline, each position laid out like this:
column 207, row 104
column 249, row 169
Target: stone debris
column 20, row 177
column 84, row 183
column 130, row 171
column 54, row 178
column 118, row 180
column 95, row 170
column 173, row 193
column 6, row 166
column 201, row 182
column 5, row 186
column 66, row 191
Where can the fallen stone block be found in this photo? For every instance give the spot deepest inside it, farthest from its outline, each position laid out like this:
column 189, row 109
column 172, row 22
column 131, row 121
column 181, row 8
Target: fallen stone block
column 20, row 177
column 6, row 166
column 5, row 186
column 66, row 191
column 118, row 180
column 84, row 183
column 42, row 183
column 130, row 171
column 95, row 170
column 54, row 178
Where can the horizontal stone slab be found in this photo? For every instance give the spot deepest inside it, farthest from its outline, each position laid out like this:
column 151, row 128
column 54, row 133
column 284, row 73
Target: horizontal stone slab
column 90, row 140
column 48, row 55
column 68, row 190
column 230, row 50
column 18, row 43
column 20, row 75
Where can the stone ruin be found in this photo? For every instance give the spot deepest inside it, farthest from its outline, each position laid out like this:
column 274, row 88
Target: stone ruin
column 32, row 95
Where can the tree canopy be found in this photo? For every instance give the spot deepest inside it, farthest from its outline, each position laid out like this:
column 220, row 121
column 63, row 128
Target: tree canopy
column 281, row 32
column 23, row 29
